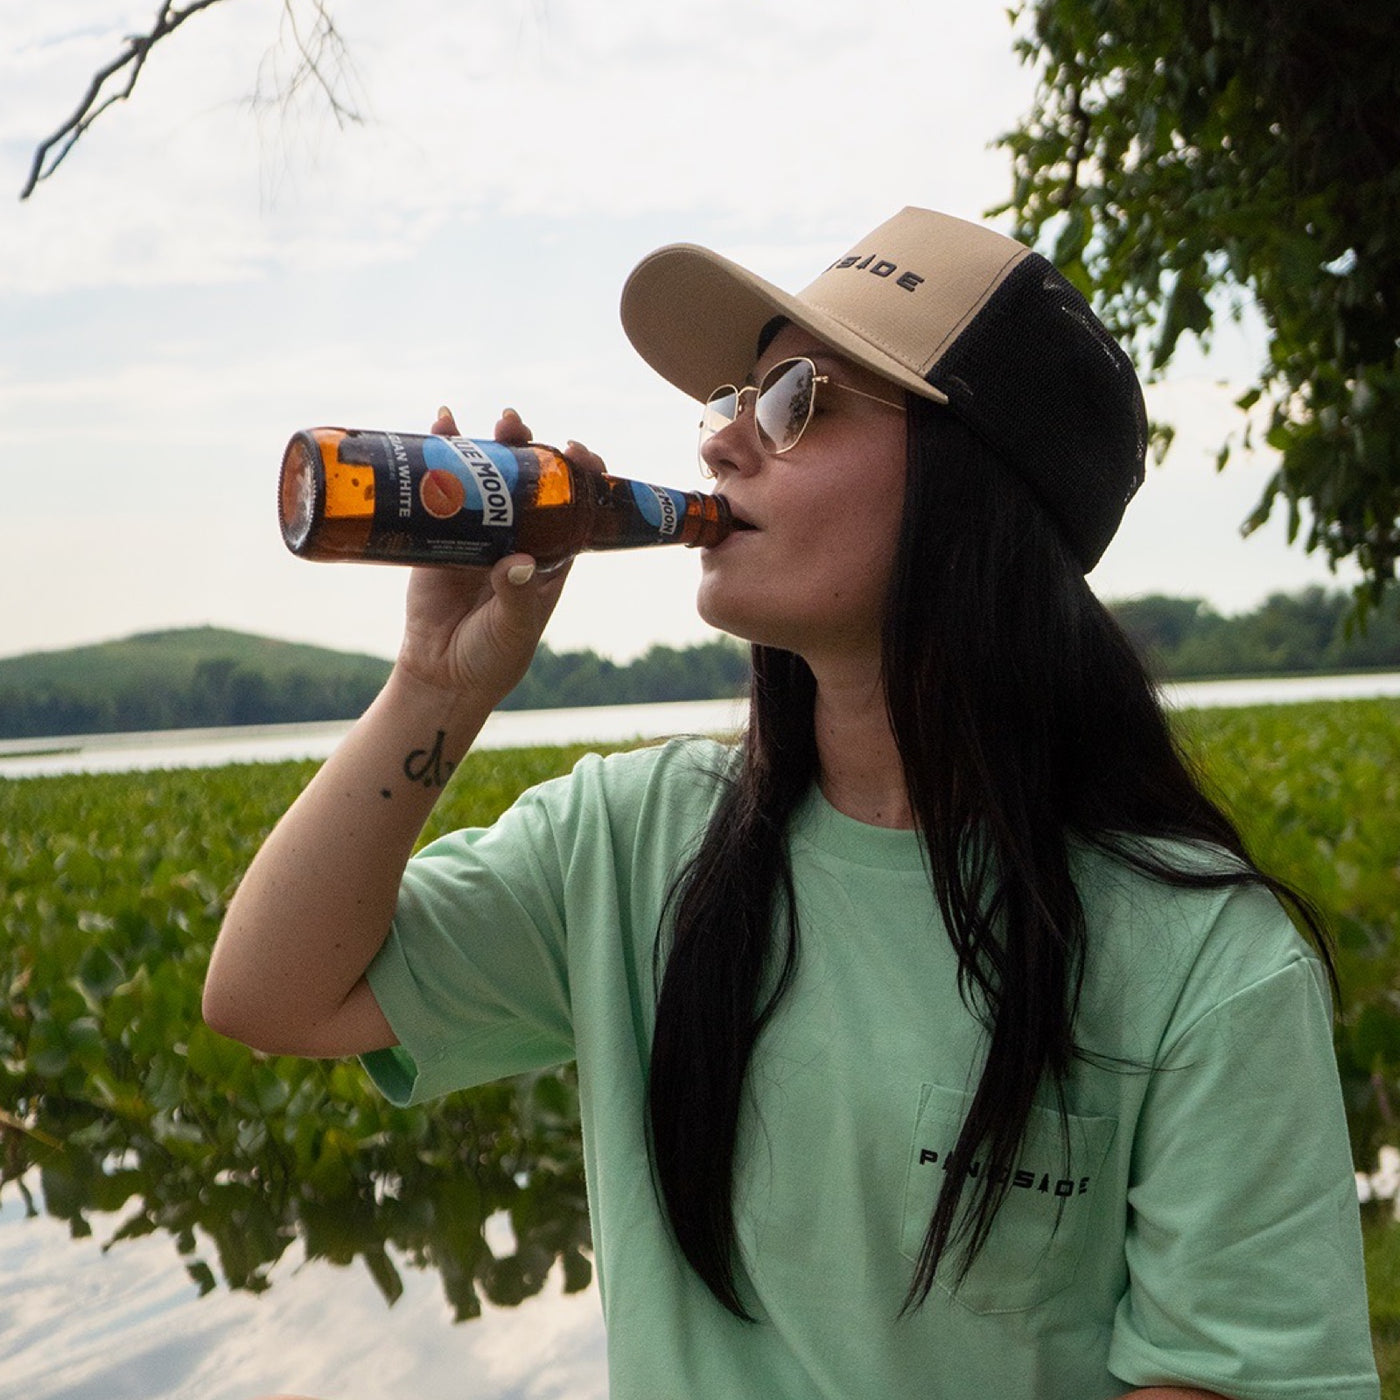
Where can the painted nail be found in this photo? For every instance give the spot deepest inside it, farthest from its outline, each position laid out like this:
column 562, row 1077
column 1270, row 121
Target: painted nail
column 520, row 573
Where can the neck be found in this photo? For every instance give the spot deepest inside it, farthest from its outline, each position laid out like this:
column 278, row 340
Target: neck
column 861, row 773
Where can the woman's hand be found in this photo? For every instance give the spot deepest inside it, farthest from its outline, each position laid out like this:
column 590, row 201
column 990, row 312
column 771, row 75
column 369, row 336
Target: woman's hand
column 474, row 630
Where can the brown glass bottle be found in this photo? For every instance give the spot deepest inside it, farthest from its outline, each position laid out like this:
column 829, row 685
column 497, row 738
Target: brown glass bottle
column 410, row 498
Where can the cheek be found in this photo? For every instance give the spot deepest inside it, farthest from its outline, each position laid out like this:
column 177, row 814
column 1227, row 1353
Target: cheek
column 859, row 557
column 860, row 536
column 822, row 567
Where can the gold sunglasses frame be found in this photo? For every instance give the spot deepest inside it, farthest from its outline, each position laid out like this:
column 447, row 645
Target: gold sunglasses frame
column 757, row 389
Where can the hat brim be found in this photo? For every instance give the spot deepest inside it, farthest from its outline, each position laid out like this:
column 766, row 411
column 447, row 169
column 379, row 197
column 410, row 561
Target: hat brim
column 695, row 318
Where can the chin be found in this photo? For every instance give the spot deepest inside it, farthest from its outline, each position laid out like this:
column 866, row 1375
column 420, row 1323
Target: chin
column 734, row 619
column 744, row 622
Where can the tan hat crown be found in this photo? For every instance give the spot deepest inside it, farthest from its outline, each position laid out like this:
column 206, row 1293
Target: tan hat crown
column 948, row 310
column 912, row 285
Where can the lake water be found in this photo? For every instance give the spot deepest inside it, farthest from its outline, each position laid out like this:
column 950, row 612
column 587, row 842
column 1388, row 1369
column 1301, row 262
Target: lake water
column 80, row 1321
column 600, row 724
column 206, row 748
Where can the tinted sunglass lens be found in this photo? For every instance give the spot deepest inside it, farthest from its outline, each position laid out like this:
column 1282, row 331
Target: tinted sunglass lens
column 784, row 404
column 720, row 410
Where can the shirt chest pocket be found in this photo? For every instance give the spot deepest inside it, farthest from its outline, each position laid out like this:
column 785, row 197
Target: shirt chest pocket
column 1055, row 1192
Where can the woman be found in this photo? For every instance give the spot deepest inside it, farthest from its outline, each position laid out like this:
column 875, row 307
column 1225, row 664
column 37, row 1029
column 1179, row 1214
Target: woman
column 940, row 1041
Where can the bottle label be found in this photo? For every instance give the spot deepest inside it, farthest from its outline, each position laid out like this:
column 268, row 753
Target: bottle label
column 456, row 497
column 661, row 507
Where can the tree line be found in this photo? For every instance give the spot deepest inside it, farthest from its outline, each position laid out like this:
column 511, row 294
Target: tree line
column 1313, row 631
column 221, row 691
column 218, row 691
column 712, row 670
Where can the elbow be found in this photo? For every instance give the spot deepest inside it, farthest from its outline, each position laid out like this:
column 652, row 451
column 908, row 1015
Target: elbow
column 233, row 1009
column 226, row 1014
column 237, row 1002
column 247, row 1023
column 225, row 1003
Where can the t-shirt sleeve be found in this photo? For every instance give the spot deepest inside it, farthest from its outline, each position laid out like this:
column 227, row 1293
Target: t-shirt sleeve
column 1243, row 1240
column 473, row 977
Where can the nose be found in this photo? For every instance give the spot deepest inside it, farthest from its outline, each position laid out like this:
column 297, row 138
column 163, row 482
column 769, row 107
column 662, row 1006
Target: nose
column 735, row 447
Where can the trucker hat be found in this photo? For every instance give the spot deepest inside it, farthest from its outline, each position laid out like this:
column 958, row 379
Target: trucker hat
column 946, row 309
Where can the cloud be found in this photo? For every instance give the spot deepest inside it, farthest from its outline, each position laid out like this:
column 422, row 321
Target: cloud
column 556, row 111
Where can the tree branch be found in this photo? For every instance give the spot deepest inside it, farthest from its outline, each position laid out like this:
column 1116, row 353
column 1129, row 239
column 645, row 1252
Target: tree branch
column 322, row 61
column 133, row 58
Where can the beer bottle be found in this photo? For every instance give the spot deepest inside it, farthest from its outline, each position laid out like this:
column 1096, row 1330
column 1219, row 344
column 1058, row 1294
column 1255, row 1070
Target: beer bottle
column 409, row 498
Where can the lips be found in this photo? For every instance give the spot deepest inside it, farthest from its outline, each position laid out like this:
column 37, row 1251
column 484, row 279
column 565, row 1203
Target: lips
column 741, row 521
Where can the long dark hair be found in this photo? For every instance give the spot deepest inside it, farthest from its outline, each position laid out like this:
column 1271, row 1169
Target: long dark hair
column 1026, row 724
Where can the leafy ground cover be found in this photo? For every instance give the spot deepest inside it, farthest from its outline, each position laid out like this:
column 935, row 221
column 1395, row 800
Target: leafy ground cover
column 136, row 1119
column 127, row 1107
column 1316, row 790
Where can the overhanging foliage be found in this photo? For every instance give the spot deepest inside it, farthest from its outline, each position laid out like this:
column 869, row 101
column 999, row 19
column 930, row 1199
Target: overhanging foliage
column 1184, row 156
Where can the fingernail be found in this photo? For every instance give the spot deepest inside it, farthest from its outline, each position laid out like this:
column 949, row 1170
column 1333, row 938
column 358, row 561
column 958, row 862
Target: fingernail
column 520, row 573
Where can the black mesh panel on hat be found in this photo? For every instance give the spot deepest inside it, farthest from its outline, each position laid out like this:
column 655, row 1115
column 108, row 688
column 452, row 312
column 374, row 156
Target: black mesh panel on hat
column 1037, row 376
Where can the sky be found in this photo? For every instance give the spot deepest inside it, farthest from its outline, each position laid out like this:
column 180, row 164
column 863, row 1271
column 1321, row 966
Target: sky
column 219, row 263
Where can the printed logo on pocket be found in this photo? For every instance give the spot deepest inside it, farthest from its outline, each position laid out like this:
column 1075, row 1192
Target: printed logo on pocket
column 1022, row 1178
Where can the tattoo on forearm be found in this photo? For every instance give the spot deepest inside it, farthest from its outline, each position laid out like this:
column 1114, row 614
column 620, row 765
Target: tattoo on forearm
column 428, row 766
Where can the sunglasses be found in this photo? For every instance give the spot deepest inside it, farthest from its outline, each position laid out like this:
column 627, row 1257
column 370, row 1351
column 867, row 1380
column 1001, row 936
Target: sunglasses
column 782, row 407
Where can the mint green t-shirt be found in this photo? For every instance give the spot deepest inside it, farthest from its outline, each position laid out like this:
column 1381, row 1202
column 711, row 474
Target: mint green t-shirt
column 1202, row 1228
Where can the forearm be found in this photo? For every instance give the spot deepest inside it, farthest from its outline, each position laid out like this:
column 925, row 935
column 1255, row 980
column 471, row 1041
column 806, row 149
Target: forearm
column 316, row 904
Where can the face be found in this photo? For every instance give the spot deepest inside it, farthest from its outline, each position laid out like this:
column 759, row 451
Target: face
column 812, row 574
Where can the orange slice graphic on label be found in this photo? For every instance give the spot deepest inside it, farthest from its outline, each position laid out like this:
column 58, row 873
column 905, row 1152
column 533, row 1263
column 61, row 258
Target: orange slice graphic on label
column 442, row 493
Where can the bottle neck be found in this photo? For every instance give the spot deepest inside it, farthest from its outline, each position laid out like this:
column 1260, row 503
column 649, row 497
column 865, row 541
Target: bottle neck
column 631, row 514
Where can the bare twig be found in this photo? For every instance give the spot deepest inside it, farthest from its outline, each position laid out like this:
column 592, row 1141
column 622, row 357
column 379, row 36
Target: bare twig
column 322, row 61
column 133, row 59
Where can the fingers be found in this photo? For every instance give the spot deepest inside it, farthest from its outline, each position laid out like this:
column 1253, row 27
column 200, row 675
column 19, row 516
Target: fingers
column 520, row 575
column 526, row 594
column 514, row 432
column 580, row 456
column 510, row 430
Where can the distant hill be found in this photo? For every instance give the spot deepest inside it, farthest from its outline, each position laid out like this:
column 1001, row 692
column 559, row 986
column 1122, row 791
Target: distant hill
column 176, row 654
column 202, row 677
column 185, row 678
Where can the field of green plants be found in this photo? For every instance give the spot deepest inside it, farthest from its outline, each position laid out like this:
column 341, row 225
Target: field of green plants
column 134, row 1119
